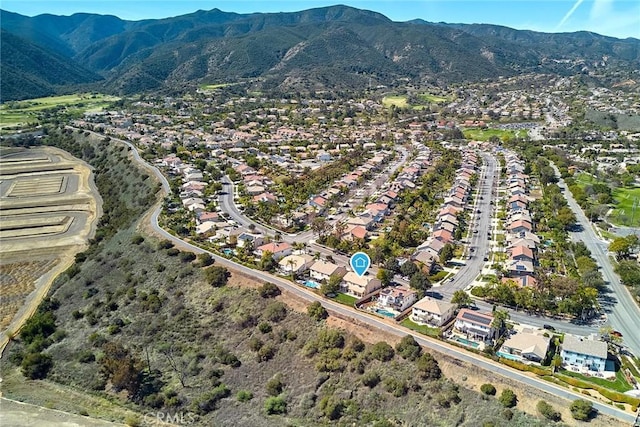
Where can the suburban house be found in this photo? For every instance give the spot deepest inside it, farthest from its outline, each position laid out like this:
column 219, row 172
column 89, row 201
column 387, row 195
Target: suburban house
column 475, row 324
column 353, row 232
column 427, row 259
column 527, row 345
column 359, row 286
column 322, row 270
column 279, row 250
column 398, row 298
column 433, row 312
column 250, row 240
column 584, row 353
column 521, row 253
column 519, row 268
column 519, row 226
column 295, row 263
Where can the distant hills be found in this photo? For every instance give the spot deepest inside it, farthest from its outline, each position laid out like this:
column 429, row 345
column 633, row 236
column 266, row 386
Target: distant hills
column 331, row 47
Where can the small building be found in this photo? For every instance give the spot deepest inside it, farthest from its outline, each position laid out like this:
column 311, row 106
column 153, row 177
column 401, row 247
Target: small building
column 527, row 345
column 359, row 286
column 295, row 264
column 433, row 312
column 398, row 298
column 323, row 270
column 475, row 324
column 278, row 250
column 584, row 353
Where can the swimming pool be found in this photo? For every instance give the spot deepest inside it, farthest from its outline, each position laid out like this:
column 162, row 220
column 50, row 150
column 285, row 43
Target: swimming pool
column 385, row 313
column 311, row 284
column 466, row 342
column 228, row 251
column 508, row 356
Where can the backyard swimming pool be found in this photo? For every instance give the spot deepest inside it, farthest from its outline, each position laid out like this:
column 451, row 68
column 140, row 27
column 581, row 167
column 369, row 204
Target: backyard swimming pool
column 508, row 356
column 311, row 284
column 466, row 342
column 385, row 313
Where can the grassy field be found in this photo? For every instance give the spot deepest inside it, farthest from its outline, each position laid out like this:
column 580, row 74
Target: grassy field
column 345, row 299
column 432, row 98
column 16, row 114
column 423, row 329
column 486, row 134
column 620, row 384
column 624, row 214
column 215, row 86
column 397, row 100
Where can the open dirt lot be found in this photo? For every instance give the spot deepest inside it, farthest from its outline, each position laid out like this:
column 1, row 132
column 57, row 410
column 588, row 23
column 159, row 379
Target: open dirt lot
column 48, row 209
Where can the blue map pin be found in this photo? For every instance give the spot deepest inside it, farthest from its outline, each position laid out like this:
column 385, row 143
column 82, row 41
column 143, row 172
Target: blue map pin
column 360, row 263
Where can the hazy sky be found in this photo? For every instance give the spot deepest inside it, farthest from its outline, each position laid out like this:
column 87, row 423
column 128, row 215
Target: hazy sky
column 618, row 18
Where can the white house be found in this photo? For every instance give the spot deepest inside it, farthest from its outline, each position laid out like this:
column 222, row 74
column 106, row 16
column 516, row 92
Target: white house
column 527, row 345
column 278, row 249
column 584, row 353
column 433, row 312
column 359, row 286
column 398, row 298
column 322, row 270
column 295, row 263
column 475, row 324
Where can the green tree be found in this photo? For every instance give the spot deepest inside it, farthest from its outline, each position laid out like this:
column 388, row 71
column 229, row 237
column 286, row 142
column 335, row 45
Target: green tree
column 420, row 282
column 268, row 262
column 581, row 409
column 408, row 269
column 382, row 351
column 269, row 290
column 331, row 286
column 461, row 298
column 275, row 405
column 36, row 366
column 446, row 254
column 488, row 389
column 428, row 367
column 317, row 311
column 508, row 398
column 385, row 276
column 408, row 348
column 547, row 411
column 217, row 276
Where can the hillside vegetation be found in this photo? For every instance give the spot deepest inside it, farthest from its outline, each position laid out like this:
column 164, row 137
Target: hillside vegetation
column 336, row 47
column 138, row 325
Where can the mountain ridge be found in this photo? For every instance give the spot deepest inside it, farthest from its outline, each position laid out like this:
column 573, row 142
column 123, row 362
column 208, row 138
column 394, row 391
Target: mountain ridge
column 334, row 46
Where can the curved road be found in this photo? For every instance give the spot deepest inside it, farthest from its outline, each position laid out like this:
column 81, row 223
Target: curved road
column 376, row 322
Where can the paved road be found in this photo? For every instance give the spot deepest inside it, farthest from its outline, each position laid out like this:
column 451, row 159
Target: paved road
column 622, row 312
column 385, row 325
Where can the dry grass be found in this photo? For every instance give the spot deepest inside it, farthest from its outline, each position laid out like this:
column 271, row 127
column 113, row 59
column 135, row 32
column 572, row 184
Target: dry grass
column 17, row 281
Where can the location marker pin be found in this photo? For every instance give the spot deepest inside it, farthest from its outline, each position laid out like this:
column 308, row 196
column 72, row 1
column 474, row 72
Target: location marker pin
column 360, row 263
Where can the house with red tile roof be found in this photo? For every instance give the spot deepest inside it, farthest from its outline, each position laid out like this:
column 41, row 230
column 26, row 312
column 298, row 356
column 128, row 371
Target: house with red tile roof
column 521, row 253
column 279, row 250
column 444, row 236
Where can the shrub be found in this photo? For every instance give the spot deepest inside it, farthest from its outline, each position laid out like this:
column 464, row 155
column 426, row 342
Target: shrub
column 217, row 276
column 207, row 402
column 137, row 239
column 86, row 356
column 205, row 259
column 36, row 366
column 269, row 290
column 581, row 409
column 508, row 398
column 264, row 327
column 382, row 351
column 547, row 411
column 395, row 386
column 165, row 244
column 507, row 414
column 408, row 348
column 244, row 396
column 317, row 311
column 275, row 385
column 371, row 379
column 275, row 405
column 488, row 389
column 173, row 252
column 428, row 367
column 187, row 256
column 275, row 311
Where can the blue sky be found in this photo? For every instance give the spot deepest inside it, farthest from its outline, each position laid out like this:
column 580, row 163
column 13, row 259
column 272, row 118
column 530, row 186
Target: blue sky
column 617, row 18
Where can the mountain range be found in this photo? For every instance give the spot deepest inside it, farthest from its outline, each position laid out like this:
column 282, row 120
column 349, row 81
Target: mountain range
column 332, row 47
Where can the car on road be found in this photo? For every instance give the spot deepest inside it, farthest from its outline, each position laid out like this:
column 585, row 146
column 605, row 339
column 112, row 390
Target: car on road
column 548, row 327
column 486, row 258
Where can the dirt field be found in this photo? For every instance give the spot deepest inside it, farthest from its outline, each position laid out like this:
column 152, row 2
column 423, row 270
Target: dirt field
column 49, row 209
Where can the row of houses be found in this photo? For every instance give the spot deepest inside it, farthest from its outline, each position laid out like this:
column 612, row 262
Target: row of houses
column 446, row 223
column 521, row 241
